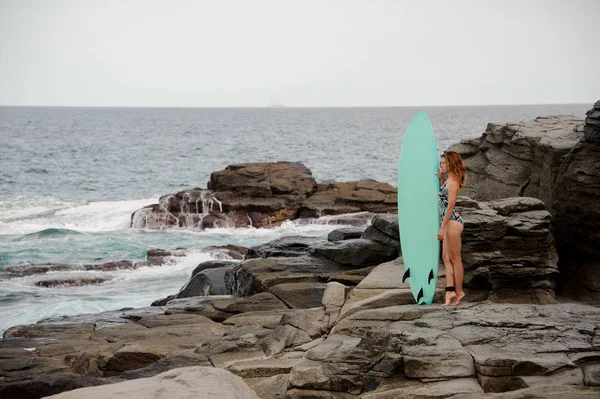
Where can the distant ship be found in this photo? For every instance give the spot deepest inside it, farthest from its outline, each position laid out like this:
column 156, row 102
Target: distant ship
column 276, row 104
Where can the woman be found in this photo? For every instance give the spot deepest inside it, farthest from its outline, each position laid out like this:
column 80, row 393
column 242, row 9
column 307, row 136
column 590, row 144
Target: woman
column 452, row 225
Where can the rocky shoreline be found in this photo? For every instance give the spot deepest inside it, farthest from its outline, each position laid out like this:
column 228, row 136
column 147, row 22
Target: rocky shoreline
column 303, row 317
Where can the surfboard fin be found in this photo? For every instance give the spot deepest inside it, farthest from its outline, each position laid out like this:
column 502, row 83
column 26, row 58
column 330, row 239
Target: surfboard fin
column 420, row 295
column 430, row 276
column 406, row 275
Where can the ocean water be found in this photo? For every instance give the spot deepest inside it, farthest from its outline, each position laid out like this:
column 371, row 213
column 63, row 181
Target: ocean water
column 71, row 177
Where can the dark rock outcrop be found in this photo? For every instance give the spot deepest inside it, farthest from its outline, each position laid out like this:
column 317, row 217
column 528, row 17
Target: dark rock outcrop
column 264, row 195
column 212, row 264
column 518, row 159
column 554, row 159
column 507, row 248
column 207, row 281
column 350, row 197
column 576, row 210
column 257, row 275
column 22, row 271
column 356, row 253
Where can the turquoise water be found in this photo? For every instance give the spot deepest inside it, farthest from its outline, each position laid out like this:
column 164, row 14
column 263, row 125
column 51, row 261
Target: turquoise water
column 71, row 177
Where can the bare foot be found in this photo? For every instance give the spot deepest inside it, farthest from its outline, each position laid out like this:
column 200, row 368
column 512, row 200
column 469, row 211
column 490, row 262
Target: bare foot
column 457, row 298
column 450, row 295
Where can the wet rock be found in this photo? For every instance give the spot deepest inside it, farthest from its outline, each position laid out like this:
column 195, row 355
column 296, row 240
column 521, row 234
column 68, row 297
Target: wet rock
column 228, row 251
column 212, row 264
column 345, row 233
column 73, row 282
column 210, row 280
column 22, row 271
column 290, row 246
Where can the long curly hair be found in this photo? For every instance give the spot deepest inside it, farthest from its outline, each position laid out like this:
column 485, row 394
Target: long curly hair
column 456, row 166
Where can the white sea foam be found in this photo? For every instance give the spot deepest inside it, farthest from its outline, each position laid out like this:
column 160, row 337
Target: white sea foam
column 124, row 288
column 25, row 216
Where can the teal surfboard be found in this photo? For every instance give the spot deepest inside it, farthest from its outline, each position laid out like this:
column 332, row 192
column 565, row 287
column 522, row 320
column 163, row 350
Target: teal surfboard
column 418, row 213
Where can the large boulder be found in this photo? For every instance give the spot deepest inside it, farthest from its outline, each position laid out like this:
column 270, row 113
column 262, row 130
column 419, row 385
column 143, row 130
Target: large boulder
column 288, row 180
column 210, row 281
column 257, row 275
column 262, row 194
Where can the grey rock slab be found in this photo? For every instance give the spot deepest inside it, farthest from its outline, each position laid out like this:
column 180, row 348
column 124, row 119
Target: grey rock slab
column 356, row 253
column 333, row 348
column 226, row 359
column 430, row 390
column 546, row 392
column 263, row 368
column 592, row 375
column 273, row 387
column 300, row 295
column 165, row 364
column 266, row 318
column 183, row 383
column 282, row 337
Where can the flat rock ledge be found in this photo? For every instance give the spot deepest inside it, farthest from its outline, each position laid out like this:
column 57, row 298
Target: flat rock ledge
column 370, row 341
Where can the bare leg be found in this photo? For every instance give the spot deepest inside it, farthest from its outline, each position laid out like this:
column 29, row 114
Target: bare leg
column 453, row 234
column 449, row 271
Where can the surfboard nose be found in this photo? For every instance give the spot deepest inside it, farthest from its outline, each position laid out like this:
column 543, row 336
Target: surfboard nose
column 420, row 121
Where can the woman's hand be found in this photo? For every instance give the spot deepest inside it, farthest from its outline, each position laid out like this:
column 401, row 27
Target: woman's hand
column 440, row 234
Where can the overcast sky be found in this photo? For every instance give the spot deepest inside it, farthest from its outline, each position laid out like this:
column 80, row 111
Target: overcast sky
column 300, row 53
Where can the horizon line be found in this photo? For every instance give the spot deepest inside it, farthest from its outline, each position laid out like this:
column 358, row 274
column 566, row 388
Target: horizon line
column 290, row 107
